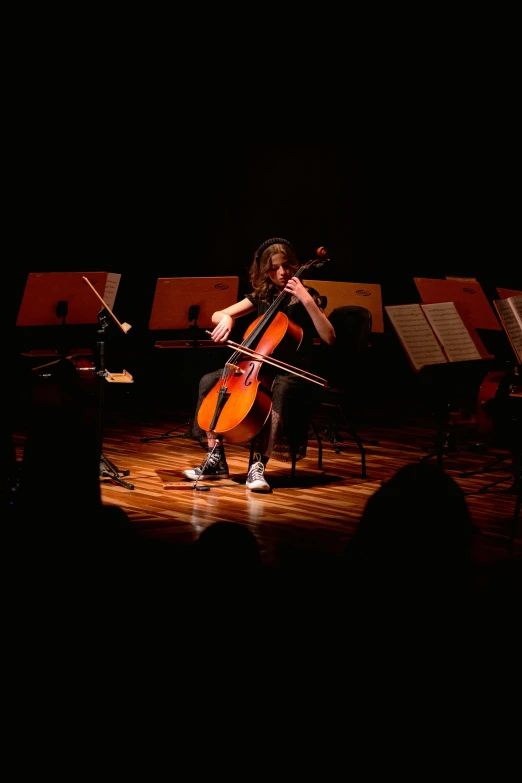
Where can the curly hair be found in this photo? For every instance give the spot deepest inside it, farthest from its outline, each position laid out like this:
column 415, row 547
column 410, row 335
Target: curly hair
column 262, row 286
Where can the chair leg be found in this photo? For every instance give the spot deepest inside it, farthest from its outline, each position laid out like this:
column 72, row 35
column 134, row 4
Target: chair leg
column 335, row 438
column 355, row 435
column 319, row 445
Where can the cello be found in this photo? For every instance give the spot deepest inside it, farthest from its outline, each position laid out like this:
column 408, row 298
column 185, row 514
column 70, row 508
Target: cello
column 239, row 404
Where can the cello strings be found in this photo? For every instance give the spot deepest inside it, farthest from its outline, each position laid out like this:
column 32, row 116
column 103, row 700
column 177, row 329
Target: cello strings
column 236, row 357
column 278, row 363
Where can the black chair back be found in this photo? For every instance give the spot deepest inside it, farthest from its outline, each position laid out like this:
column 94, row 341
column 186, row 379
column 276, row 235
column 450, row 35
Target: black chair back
column 344, row 362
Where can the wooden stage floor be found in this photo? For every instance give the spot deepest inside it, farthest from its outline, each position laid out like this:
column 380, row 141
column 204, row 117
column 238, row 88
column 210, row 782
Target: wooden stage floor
column 315, row 513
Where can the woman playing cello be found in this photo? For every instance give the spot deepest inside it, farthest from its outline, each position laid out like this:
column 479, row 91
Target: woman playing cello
column 285, row 431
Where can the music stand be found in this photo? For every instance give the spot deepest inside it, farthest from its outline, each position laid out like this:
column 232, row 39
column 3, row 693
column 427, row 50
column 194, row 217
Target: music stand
column 58, row 299
column 505, row 293
column 52, row 297
column 469, row 295
column 180, row 300
column 477, row 313
column 189, row 302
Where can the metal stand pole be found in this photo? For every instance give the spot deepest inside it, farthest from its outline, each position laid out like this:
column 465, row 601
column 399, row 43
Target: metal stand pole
column 185, row 435
column 107, row 468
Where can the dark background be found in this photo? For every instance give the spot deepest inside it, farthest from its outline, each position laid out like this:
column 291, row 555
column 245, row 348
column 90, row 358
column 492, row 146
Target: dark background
column 166, row 170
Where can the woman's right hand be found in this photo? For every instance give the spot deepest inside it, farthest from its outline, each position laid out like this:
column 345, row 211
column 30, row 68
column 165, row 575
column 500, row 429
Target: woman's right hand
column 221, row 332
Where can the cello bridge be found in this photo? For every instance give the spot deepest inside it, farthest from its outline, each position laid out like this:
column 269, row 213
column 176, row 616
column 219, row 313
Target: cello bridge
column 237, row 370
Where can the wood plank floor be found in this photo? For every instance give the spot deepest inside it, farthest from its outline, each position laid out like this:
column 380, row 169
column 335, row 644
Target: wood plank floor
column 302, row 527
column 313, row 514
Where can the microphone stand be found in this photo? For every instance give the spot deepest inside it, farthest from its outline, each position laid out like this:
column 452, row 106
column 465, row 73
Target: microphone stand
column 107, row 468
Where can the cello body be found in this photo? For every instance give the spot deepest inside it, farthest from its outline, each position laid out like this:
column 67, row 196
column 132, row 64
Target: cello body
column 240, row 403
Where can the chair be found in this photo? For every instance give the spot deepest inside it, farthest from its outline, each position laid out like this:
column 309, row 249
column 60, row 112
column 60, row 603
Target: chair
column 344, row 365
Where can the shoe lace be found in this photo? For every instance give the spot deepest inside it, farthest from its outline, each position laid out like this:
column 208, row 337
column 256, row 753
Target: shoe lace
column 212, row 461
column 257, row 469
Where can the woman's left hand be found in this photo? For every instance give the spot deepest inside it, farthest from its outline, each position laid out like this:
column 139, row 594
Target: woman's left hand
column 297, row 289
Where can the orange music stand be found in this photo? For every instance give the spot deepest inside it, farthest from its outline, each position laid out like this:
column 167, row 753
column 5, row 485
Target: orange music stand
column 57, row 300
column 53, row 296
column 505, row 293
column 179, row 301
column 469, row 295
column 176, row 299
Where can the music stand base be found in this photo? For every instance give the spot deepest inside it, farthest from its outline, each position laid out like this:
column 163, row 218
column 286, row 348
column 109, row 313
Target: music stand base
column 185, row 435
column 110, row 471
column 514, row 488
column 496, row 464
column 446, row 445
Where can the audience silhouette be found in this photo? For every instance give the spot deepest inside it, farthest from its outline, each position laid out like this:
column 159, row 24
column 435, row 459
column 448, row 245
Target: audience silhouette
column 8, row 467
column 408, row 567
column 228, row 575
column 228, row 550
column 68, row 544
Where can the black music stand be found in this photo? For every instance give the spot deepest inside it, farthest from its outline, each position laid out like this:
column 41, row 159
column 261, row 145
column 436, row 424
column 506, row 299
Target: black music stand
column 205, row 295
column 476, row 313
column 511, row 437
column 107, row 468
column 446, row 385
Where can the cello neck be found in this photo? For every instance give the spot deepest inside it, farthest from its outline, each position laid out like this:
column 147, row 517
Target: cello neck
column 272, row 311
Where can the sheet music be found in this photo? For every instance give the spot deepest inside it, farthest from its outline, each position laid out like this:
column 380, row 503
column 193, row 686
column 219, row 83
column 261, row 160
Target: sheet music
column 111, row 288
column 510, row 312
column 416, row 335
column 516, row 304
column 451, row 331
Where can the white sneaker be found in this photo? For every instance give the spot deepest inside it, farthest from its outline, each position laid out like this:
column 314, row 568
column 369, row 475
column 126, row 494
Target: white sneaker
column 256, row 476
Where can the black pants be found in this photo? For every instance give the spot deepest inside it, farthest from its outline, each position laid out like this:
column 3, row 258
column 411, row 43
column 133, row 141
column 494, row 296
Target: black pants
column 286, row 430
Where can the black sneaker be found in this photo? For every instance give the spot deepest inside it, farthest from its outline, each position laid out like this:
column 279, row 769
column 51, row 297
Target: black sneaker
column 256, row 476
column 216, row 467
